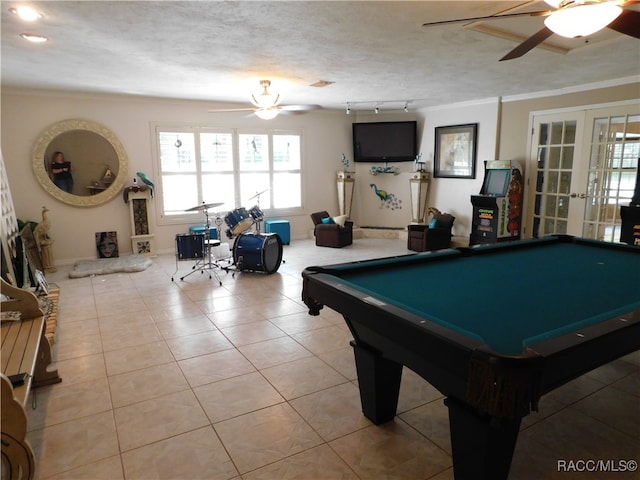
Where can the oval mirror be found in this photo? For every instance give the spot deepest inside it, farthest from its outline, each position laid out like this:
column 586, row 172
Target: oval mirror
column 93, row 164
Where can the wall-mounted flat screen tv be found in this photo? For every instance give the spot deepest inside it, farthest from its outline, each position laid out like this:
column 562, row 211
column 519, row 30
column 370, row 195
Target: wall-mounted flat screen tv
column 385, row 141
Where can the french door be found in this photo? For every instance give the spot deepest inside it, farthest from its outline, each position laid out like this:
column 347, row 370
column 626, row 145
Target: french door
column 582, row 169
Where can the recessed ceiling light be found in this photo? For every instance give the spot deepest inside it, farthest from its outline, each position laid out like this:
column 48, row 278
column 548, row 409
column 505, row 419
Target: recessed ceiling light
column 32, row 37
column 27, row 14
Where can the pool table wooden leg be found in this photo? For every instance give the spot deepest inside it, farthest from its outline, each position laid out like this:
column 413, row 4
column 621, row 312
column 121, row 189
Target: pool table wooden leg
column 482, row 445
column 379, row 380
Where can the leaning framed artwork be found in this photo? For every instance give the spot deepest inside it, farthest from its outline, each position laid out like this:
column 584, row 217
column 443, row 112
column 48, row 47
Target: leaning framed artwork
column 41, row 282
column 455, row 151
column 107, row 244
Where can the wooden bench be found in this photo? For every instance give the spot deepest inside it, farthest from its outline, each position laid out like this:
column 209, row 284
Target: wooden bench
column 25, row 349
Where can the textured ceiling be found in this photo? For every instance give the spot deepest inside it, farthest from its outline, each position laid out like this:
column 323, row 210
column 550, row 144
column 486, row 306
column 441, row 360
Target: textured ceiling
column 373, row 51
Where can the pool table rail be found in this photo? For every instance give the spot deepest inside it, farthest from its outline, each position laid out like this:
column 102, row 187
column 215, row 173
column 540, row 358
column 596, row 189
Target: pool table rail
column 458, row 365
column 572, row 355
column 487, row 392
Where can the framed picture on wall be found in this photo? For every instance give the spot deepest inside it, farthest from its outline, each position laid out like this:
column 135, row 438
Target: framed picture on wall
column 455, row 151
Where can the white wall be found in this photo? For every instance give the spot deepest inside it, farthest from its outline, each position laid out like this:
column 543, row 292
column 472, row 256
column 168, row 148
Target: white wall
column 26, row 114
column 327, row 134
column 453, row 195
column 368, row 208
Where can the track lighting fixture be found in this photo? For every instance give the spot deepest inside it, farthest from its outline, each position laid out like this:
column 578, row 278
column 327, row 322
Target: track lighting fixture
column 377, row 106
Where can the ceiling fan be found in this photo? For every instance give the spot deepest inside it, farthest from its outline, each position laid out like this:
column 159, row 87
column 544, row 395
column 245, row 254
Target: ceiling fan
column 570, row 18
column 267, row 104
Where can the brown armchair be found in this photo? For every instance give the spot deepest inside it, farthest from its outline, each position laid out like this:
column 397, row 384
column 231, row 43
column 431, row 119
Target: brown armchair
column 435, row 235
column 331, row 234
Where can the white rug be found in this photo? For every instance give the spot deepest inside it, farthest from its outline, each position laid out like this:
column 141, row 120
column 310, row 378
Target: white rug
column 104, row 266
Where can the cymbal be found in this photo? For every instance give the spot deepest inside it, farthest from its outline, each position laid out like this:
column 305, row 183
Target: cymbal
column 204, row 206
column 259, row 193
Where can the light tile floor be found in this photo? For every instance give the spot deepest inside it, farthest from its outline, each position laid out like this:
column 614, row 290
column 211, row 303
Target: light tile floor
column 191, row 380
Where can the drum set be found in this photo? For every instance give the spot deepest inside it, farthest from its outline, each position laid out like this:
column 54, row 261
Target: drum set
column 252, row 250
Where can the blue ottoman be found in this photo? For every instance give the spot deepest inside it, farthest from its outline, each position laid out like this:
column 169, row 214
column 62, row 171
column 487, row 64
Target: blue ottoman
column 213, row 231
column 281, row 227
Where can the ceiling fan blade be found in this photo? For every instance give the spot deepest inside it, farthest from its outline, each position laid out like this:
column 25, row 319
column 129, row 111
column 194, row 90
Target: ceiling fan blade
column 628, row 23
column 216, row 110
column 298, row 108
column 489, row 17
column 529, row 44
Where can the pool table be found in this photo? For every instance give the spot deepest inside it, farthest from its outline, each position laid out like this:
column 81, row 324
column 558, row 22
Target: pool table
column 493, row 328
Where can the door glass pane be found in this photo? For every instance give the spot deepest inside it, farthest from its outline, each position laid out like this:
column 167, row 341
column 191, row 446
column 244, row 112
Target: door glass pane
column 589, row 231
column 543, row 138
column 615, row 148
column 561, row 227
column 556, row 132
column 554, row 157
column 542, row 157
column 549, row 226
column 550, row 206
column 569, row 132
column 563, row 207
column 617, row 129
column 600, row 128
column 567, row 158
column 554, row 176
column 552, row 182
column 565, row 183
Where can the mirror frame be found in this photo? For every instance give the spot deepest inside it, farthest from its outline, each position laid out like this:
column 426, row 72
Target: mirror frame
column 38, row 162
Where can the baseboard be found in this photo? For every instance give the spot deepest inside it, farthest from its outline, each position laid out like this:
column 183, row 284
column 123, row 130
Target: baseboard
column 387, row 233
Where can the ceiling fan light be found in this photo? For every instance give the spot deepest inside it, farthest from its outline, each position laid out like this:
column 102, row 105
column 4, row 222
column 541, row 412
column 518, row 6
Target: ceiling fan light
column 267, row 113
column 265, row 99
column 27, row 14
column 582, row 20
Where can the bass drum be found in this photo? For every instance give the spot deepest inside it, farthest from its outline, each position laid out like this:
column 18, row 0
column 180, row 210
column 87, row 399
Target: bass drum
column 258, row 252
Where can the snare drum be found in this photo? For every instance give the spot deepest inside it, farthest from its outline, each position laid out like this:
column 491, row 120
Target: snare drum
column 256, row 213
column 190, row 246
column 258, row 252
column 238, row 220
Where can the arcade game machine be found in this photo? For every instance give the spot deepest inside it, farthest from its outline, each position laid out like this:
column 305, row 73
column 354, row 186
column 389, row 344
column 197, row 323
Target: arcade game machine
column 630, row 216
column 497, row 211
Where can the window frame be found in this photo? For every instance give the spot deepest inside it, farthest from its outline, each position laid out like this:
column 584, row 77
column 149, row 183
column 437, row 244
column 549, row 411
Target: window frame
column 195, row 217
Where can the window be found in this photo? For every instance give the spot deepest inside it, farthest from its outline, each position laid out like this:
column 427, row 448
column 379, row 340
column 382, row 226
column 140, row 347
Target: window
column 202, row 165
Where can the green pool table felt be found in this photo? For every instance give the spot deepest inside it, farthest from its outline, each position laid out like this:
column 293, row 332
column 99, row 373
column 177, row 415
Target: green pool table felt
column 511, row 299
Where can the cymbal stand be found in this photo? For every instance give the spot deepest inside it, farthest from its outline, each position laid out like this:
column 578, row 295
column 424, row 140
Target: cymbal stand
column 258, row 222
column 209, row 261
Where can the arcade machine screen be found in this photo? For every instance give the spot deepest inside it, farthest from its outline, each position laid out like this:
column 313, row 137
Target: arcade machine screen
column 497, row 182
